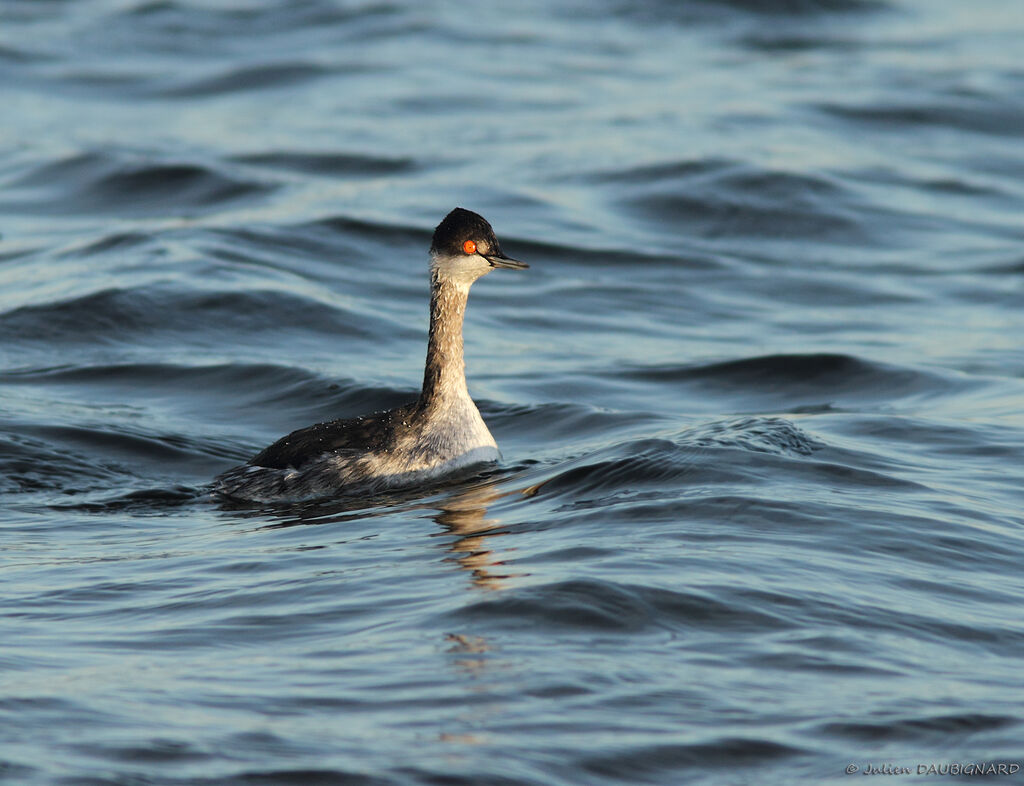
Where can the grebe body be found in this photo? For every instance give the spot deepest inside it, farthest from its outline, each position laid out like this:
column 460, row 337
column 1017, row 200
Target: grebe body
column 440, row 433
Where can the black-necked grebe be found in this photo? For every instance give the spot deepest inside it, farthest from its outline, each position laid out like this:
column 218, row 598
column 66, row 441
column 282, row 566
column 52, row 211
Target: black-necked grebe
column 440, row 432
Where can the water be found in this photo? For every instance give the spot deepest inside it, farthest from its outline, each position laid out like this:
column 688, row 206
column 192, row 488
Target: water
column 760, row 395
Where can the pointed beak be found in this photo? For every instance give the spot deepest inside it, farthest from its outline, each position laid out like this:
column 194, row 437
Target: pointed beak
column 499, row 259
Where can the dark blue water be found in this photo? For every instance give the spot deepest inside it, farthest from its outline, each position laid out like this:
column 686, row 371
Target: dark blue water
column 760, row 395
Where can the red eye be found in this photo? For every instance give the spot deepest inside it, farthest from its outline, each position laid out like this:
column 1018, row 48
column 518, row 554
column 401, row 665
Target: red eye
column 469, row 247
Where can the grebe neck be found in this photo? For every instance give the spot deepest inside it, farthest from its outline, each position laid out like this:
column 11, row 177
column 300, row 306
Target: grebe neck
column 444, row 378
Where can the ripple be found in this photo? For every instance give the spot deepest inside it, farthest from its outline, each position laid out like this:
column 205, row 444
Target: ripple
column 799, row 380
column 718, row 197
column 174, row 19
column 931, row 729
column 977, row 115
column 709, row 10
column 329, row 164
column 154, row 502
column 32, row 465
column 155, row 751
column 691, row 458
column 275, row 394
column 89, row 183
column 256, row 77
column 115, row 316
column 761, row 435
column 301, row 777
column 12, row 54
column 589, row 604
column 641, row 764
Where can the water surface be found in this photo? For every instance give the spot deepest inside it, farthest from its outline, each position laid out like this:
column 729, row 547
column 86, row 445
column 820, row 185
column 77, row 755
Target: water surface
column 760, row 394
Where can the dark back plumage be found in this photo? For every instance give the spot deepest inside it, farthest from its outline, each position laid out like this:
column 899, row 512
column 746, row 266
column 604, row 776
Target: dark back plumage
column 358, row 435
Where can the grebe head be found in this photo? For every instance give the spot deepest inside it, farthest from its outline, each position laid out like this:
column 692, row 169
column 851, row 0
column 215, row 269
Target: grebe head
column 465, row 248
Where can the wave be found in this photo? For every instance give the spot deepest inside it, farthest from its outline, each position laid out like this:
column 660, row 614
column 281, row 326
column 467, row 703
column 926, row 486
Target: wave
column 329, row 164
column 715, row 10
column 171, row 19
column 980, row 115
column 700, row 456
column 65, row 434
column 645, row 763
column 599, row 605
column 802, row 383
column 32, row 465
column 255, row 77
column 927, row 729
column 90, row 182
column 286, row 395
column 712, row 198
column 124, row 316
